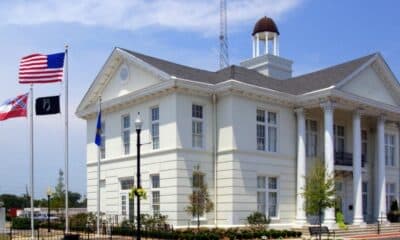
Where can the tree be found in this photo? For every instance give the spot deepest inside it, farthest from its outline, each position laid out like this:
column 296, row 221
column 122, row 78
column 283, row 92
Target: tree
column 199, row 200
column 319, row 191
column 58, row 198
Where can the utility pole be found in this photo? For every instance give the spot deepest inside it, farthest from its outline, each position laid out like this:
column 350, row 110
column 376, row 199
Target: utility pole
column 223, row 37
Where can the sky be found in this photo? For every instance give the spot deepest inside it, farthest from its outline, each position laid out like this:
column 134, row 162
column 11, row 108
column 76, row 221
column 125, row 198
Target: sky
column 314, row 34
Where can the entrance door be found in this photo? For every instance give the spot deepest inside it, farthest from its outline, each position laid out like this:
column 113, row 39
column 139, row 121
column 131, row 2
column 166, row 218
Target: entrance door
column 127, row 207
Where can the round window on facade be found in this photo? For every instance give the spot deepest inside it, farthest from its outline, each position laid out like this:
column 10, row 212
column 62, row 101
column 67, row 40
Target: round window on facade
column 124, row 73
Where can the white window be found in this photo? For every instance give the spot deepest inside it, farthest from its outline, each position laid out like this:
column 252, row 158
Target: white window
column 155, row 194
column 155, row 127
column 126, row 133
column 197, row 126
column 127, row 203
column 339, row 138
column 311, row 138
column 260, row 130
column 364, row 145
column 365, row 198
column 267, row 196
column 103, row 140
column 389, row 149
column 271, row 130
column 390, row 194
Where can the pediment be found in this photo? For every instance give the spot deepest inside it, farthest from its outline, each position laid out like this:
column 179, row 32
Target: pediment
column 127, row 78
column 121, row 74
column 374, row 82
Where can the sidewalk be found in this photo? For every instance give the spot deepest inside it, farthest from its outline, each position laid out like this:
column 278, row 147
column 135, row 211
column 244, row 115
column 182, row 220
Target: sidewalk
column 376, row 236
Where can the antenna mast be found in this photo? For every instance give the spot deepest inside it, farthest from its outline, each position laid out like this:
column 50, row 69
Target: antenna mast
column 223, row 37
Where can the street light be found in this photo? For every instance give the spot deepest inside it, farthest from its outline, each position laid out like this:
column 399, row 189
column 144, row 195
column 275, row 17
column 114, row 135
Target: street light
column 49, row 193
column 138, row 126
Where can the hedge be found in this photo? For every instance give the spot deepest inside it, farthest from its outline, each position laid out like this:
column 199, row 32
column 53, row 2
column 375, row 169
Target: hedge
column 209, row 234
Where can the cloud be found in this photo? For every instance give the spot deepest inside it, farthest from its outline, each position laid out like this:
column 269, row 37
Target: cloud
column 200, row 16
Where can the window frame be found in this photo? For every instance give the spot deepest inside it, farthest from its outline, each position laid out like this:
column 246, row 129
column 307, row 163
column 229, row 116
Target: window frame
column 197, row 137
column 311, row 151
column 153, row 190
column 364, row 144
column 156, row 122
column 126, row 147
column 266, row 125
column 338, row 138
column 390, row 145
column 261, row 124
column 266, row 190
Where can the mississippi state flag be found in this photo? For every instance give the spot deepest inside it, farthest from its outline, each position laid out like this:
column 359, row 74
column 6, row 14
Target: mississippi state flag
column 12, row 108
column 41, row 68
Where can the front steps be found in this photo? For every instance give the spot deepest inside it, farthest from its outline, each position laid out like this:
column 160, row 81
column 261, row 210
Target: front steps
column 352, row 230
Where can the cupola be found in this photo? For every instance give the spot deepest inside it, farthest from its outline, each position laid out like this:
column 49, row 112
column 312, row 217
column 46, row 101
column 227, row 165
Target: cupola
column 266, row 59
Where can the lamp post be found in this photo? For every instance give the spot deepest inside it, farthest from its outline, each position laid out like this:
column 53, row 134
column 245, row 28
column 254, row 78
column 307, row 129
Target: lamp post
column 49, row 193
column 138, row 126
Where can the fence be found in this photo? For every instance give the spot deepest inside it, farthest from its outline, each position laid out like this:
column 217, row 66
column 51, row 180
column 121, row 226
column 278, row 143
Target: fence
column 44, row 234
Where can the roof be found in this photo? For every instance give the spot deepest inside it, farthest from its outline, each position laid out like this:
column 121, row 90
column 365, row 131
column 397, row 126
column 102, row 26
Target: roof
column 265, row 24
column 297, row 85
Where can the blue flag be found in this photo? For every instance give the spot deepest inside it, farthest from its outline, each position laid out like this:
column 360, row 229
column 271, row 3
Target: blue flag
column 97, row 139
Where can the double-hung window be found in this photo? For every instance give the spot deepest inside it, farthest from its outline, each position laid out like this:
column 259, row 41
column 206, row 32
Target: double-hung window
column 339, row 138
column 267, row 196
column 126, row 133
column 389, row 150
column 267, row 129
column 272, row 131
column 260, row 130
column 364, row 145
column 103, row 140
column 311, row 138
column 155, row 194
column 390, row 194
column 197, row 126
column 155, row 127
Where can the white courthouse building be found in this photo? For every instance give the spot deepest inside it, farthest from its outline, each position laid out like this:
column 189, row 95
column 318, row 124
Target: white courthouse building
column 254, row 130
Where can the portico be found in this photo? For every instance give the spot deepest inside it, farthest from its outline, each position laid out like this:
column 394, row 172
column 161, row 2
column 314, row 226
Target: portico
column 351, row 141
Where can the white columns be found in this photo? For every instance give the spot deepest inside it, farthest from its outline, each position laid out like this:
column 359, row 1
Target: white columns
column 381, row 184
column 257, row 44
column 357, row 181
column 328, row 108
column 276, row 44
column 254, row 47
column 266, row 43
column 301, row 166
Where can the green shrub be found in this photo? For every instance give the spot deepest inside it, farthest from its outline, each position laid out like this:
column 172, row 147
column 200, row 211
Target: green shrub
column 340, row 220
column 257, row 219
column 23, row 223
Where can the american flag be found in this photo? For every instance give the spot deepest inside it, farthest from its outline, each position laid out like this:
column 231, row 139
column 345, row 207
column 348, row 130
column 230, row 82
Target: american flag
column 41, row 68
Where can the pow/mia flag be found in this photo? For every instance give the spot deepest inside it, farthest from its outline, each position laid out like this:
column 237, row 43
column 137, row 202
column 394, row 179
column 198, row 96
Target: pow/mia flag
column 47, row 105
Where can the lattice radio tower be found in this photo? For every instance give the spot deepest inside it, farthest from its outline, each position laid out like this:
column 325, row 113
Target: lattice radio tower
column 223, row 37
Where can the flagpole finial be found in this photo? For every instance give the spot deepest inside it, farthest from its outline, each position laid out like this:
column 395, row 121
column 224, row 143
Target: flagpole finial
column 66, row 46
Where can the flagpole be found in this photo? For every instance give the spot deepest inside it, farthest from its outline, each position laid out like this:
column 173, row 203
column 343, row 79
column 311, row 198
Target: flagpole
column 31, row 159
column 66, row 142
column 98, row 178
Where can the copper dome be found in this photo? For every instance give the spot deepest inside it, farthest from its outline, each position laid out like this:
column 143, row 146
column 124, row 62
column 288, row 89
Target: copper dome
column 265, row 24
